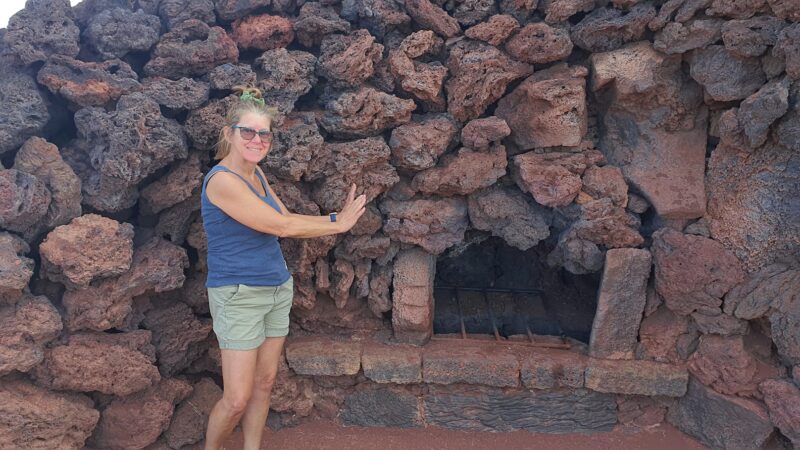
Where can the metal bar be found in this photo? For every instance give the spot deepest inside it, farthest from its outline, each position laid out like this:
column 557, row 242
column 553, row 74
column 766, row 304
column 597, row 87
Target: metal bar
column 565, row 345
column 491, row 316
column 493, row 290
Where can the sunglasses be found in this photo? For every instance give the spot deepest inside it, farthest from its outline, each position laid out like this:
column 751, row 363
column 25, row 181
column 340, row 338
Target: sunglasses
column 248, row 134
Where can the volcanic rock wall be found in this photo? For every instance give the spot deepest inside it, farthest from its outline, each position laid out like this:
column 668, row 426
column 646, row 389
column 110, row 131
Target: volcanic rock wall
column 587, row 128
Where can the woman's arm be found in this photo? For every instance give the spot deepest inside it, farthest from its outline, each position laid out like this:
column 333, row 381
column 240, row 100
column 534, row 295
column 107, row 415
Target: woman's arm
column 230, row 194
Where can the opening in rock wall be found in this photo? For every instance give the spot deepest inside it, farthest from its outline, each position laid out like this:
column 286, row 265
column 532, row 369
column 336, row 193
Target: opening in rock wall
column 495, row 289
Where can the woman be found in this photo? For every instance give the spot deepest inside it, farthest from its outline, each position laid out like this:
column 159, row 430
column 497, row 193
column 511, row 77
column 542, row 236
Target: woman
column 249, row 286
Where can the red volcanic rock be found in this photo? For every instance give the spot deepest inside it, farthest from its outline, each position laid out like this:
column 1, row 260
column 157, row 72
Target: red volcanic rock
column 27, row 327
column 234, row 9
column 479, row 133
column 191, row 48
column 650, row 88
column 412, row 296
column 751, row 37
column 263, row 32
column 788, row 47
column 365, row 112
column 547, row 109
column 136, row 421
column 42, row 159
column 720, row 421
column 480, row 74
column 606, row 29
column 722, row 324
column 228, row 76
column 417, row 145
column 495, row 30
column 421, row 80
column 578, row 256
column 87, row 83
column 554, row 179
column 561, row 10
column 736, row 10
column 783, row 402
column 348, row 60
column 420, row 43
column 378, row 16
column 519, row 9
column 25, row 110
column 379, row 299
column 431, row 17
column 177, row 335
column 364, row 162
column 434, row 225
column 316, row 21
column 342, row 276
column 665, row 336
column 606, row 181
column 318, row 355
column 24, row 201
column 679, row 38
column 118, row 364
column 116, row 150
column 605, row 224
column 510, row 215
column 785, row 9
column 174, row 12
column 640, row 412
column 40, row 419
column 42, row 29
column 15, row 269
column 114, row 33
column 463, row 173
column 88, row 248
column 176, row 186
column 724, row 364
column 190, row 419
column 186, row 93
column 357, row 248
column 202, row 125
column 285, row 76
column 296, row 141
column 156, row 266
column 539, row 43
column 693, row 272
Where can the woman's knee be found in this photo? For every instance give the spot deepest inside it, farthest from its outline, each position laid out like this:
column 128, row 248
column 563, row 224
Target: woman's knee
column 264, row 383
column 236, row 404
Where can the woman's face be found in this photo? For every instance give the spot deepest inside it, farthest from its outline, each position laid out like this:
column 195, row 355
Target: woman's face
column 251, row 138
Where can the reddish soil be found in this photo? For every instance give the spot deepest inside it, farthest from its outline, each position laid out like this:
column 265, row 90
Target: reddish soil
column 328, row 436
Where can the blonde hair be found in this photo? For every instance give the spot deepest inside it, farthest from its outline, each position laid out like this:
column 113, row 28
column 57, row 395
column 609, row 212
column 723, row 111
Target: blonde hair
column 249, row 100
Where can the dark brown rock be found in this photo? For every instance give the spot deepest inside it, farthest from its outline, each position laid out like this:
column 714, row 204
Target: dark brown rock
column 758, row 111
column 15, row 269
column 41, row 419
column 285, row 76
column 543, row 368
column 108, row 363
column 680, row 38
column 379, row 299
column 510, row 215
column 480, row 74
column 432, row 224
column 463, row 172
column 720, row 421
column 692, row 272
column 24, row 112
column 640, row 412
column 297, row 141
column 722, row 324
column 620, row 304
column 663, row 335
column 479, row 133
column 234, row 9
column 185, row 93
column 348, row 60
column 431, row 17
column 539, row 43
column 450, row 362
column 606, row 29
column 177, row 335
column 783, row 401
column 228, row 76
column 190, row 419
column 785, row 9
column 378, row 16
column 417, row 145
column 202, row 124
column 176, row 186
column 27, row 327
column 321, row 356
column 547, row 109
column 399, row 364
column 605, row 224
column 365, row 112
column 736, row 10
column 724, row 76
column 606, row 181
column 42, row 29
column 725, row 364
column 263, row 32
column 174, row 12
column 88, row 248
column 561, row 10
column 494, row 31
column 136, row 421
column 382, row 406
column 316, row 21
column 191, row 48
column 470, row 12
column 113, row 33
column 578, row 256
column 788, row 48
column 24, row 201
column 751, row 37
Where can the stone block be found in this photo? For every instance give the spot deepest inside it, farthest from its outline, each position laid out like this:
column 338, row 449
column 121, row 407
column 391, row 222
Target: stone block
column 453, row 361
column 382, row 407
column 477, row 408
column 385, row 363
column 542, row 368
column 412, row 301
column 620, row 303
column 318, row 355
column 636, row 378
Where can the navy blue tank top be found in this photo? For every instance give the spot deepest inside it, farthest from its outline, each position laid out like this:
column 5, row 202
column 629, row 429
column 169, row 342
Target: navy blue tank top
column 238, row 254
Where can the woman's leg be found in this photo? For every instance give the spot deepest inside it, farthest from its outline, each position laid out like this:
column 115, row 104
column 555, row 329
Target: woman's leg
column 255, row 417
column 238, row 375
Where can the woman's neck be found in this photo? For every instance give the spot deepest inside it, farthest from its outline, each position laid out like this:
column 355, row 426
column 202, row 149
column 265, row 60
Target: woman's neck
column 240, row 166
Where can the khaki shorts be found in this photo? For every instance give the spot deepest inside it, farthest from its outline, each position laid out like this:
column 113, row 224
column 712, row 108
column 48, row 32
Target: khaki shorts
column 244, row 316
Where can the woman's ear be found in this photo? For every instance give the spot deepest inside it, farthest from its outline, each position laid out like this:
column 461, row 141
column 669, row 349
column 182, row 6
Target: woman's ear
column 226, row 131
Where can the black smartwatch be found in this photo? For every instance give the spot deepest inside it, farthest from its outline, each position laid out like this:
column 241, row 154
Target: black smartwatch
column 332, row 216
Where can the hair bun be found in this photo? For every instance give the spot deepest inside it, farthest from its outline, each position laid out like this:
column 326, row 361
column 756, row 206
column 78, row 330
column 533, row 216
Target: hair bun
column 248, row 91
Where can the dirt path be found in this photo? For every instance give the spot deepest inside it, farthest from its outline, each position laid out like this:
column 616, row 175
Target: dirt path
column 328, row 436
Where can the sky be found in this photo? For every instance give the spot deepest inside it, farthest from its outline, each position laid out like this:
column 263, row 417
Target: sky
column 10, row 7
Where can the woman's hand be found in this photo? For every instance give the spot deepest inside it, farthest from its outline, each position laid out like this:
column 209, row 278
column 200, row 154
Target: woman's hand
column 352, row 210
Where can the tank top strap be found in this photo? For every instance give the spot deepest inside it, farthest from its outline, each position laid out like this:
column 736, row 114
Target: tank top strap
column 221, row 168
